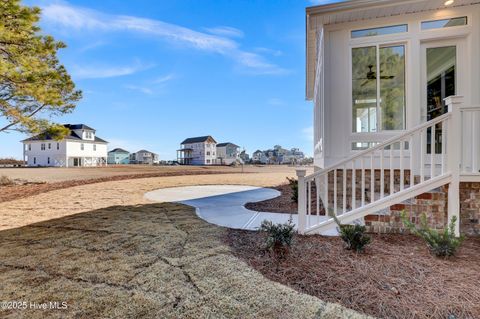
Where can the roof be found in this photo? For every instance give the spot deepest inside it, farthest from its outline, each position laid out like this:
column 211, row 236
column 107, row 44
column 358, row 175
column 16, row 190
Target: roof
column 119, row 150
column 199, row 139
column 226, row 144
column 78, row 127
column 72, row 137
column 358, row 10
column 145, row 151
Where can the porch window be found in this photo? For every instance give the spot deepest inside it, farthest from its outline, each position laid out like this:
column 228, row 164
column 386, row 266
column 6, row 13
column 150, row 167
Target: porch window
column 378, row 101
column 379, row 31
column 444, row 23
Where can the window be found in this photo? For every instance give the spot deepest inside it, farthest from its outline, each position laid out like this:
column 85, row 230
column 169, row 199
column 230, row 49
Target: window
column 378, row 101
column 49, row 146
column 208, row 153
column 82, row 147
column 444, row 23
column 48, row 160
column 94, row 147
column 208, row 161
column 379, row 31
column 42, row 147
column 29, row 147
column 88, row 134
column 58, row 146
column 34, row 160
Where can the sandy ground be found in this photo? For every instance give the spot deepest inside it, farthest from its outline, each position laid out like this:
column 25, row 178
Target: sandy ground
column 54, row 174
column 107, row 252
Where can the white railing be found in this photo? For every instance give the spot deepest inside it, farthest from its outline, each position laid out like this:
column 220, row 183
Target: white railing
column 414, row 162
column 470, row 139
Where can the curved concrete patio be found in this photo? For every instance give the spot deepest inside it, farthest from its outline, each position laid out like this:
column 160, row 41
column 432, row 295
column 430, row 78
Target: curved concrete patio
column 223, row 205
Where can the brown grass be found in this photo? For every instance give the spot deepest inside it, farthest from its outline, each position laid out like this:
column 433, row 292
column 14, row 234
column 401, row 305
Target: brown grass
column 6, row 181
column 396, row 278
column 142, row 261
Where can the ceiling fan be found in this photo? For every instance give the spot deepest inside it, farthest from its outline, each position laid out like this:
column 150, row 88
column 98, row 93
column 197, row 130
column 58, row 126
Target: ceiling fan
column 371, row 75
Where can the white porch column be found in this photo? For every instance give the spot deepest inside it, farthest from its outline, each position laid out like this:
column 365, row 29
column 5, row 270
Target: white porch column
column 302, row 201
column 454, row 157
column 319, row 101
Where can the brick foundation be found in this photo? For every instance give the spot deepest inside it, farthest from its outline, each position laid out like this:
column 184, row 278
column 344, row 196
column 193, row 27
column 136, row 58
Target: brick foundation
column 470, row 208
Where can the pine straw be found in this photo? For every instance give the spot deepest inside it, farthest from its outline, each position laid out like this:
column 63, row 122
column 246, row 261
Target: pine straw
column 395, row 278
column 280, row 204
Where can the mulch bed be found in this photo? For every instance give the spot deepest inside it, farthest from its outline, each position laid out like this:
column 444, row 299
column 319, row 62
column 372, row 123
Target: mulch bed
column 281, row 204
column 12, row 192
column 396, row 277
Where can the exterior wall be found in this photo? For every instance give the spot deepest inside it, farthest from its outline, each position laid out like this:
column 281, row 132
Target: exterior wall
column 203, row 153
column 337, row 116
column 227, row 155
column 470, row 208
column 67, row 150
column 118, row 158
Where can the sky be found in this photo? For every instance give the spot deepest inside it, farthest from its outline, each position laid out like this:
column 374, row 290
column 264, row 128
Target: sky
column 153, row 73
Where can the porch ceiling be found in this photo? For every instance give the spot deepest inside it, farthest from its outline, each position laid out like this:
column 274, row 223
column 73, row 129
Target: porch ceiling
column 358, row 10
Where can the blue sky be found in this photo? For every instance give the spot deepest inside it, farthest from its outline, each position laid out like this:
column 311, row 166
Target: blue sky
column 156, row 72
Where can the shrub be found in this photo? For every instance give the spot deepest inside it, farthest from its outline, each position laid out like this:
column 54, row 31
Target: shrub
column 5, row 181
column 294, row 186
column 353, row 235
column 279, row 237
column 441, row 243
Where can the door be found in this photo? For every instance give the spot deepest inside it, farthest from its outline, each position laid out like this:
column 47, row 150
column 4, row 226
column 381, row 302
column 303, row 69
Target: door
column 442, row 70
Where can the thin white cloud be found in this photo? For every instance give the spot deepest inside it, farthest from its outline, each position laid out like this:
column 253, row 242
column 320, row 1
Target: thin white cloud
column 226, row 31
column 100, row 72
column 141, row 89
column 66, row 16
column 276, row 101
column 307, row 133
column 269, row 51
column 165, row 78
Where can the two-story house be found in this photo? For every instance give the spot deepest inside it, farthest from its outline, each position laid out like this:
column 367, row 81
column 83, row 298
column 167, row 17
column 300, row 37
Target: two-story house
column 80, row 148
column 200, row 150
column 144, row 157
column 228, row 153
column 118, row 156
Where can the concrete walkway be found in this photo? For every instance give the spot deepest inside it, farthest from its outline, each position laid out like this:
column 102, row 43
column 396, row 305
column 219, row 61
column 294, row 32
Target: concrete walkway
column 223, row 205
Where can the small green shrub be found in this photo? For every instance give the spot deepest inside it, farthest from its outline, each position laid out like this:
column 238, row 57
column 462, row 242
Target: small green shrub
column 353, row 235
column 279, row 237
column 294, row 186
column 441, row 243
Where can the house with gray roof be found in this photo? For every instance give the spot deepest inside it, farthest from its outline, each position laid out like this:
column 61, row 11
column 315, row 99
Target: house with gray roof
column 118, row 156
column 144, row 157
column 201, row 150
column 81, row 147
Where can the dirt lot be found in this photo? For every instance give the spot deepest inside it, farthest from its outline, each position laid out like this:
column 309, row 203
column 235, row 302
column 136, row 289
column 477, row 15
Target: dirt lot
column 56, row 174
column 107, row 252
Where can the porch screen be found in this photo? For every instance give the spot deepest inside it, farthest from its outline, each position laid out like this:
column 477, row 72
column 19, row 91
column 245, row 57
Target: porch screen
column 378, row 101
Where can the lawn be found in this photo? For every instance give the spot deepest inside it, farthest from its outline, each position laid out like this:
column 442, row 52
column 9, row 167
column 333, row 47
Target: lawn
column 141, row 261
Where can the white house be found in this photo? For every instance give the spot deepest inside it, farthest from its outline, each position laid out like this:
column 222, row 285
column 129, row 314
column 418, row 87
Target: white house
column 144, row 157
column 80, row 148
column 228, row 153
column 200, row 150
column 395, row 88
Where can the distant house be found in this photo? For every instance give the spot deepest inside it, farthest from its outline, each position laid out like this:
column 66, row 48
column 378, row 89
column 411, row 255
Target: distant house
column 244, row 157
column 200, row 150
column 228, row 153
column 80, row 148
column 278, row 155
column 144, row 157
column 118, row 156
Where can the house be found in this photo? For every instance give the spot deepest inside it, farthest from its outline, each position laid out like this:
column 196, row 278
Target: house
column 228, row 153
column 118, row 156
column 144, row 157
column 394, row 86
column 278, row 155
column 82, row 147
column 198, row 151
column 244, row 157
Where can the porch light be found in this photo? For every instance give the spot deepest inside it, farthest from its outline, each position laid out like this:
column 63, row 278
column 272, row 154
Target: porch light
column 449, row 2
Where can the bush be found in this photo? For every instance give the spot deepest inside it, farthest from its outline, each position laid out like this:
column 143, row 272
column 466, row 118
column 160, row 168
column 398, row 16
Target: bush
column 6, row 181
column 353, row 235
column 294, row 186
column 441, row 243
column 279, row 237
